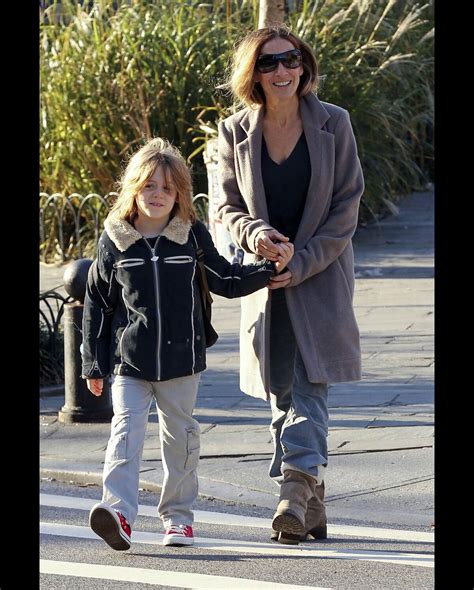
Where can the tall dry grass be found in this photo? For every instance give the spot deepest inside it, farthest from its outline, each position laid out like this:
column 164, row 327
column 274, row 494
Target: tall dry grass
column 115, row 73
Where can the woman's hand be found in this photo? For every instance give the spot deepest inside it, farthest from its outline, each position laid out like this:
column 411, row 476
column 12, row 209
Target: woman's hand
column 279, row 281
column 95, row 386
column 285, row 255
column 266, row 243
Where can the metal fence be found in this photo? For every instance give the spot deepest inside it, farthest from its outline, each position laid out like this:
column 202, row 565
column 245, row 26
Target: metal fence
column 51, row 311
column 70, row 226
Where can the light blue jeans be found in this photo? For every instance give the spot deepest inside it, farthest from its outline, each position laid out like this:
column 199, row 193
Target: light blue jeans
column 300, row 417
column 179, row 436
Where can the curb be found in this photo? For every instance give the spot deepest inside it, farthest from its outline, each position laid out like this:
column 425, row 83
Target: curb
column 209, row 489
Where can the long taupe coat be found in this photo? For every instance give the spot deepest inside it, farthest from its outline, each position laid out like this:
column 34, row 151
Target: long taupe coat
column 319, row 296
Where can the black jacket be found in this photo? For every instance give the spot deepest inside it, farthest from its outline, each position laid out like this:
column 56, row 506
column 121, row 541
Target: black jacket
column 142, row 310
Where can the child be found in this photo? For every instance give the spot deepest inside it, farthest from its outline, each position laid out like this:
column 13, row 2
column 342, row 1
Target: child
column 143, row 322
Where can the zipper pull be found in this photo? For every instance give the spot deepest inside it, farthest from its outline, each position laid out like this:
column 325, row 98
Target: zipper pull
column 154, row 258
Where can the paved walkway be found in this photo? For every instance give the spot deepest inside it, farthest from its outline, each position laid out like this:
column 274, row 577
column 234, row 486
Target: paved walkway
column 381, row 428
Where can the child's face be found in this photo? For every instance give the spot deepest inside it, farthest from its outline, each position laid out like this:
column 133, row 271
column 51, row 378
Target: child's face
column 157, row 198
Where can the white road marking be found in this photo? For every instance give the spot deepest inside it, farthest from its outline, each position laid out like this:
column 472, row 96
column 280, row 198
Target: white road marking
column 221, row 518
column 415, row 559
column 160, row 577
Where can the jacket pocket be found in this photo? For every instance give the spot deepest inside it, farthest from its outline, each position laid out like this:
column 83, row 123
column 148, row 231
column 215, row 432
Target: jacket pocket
column 129, row 262
column 178, row 259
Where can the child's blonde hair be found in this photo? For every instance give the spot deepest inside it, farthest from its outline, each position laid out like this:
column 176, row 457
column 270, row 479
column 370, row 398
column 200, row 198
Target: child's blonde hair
column 141, row 166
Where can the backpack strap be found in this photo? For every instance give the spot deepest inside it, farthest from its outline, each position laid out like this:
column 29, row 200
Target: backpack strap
column 206, row 294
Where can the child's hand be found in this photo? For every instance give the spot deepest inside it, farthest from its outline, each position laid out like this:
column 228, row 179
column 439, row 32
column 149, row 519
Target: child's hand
column 285, row 254
column 95, row 386
column 280, row 281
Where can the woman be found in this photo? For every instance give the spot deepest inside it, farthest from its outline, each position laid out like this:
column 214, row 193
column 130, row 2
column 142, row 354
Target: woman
column 289, row 171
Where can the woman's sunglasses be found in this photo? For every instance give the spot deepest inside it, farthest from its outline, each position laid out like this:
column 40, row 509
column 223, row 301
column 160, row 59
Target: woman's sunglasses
column 268, row 62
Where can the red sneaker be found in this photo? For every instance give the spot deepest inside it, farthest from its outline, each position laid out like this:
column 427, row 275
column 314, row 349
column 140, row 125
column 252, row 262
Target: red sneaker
column 110, row 525
column 179, row 534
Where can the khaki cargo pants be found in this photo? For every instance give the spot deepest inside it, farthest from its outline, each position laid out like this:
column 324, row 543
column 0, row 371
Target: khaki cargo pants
column 179, row 434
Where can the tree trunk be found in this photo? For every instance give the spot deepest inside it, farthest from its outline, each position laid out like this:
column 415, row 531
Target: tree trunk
column 271, row 12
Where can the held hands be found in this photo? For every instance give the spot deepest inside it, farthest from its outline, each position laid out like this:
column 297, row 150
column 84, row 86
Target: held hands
column 276, row 247
column 95, row 386
column 266, row 244
column 284, row 256
column 279, row 281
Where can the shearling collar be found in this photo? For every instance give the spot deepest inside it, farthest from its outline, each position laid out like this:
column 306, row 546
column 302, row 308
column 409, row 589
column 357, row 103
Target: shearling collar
column 123, row 234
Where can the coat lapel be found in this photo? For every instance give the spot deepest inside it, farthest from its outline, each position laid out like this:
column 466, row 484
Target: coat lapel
column 321, row 150
column 249, row 157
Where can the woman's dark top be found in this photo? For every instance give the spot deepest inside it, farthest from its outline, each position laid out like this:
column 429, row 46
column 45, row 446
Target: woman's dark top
column 286, row 185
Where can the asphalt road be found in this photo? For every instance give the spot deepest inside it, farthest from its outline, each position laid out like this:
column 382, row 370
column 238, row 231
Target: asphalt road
column 229, row 550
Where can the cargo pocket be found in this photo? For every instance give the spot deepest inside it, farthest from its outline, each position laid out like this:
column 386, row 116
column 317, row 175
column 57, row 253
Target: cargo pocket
column 117, row 446
column 192, row 448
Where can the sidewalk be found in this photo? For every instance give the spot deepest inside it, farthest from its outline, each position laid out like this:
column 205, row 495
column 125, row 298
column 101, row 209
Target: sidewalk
column 381, row 429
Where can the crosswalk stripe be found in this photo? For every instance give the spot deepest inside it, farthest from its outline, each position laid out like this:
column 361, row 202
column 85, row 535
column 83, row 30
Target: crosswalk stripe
column 220, row 518
column 415, row 559
column 160, row 577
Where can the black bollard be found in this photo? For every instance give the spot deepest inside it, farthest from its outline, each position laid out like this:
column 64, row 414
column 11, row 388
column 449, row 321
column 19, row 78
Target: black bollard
column 80, row 404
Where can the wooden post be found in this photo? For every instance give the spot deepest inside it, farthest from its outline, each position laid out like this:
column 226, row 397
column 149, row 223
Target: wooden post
column 271, row 12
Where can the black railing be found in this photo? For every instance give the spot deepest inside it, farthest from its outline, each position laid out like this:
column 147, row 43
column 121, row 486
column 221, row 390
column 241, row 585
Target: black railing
column 51, row 310
column 70, row 227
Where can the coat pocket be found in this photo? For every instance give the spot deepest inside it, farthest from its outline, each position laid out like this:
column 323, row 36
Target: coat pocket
column 345, row 279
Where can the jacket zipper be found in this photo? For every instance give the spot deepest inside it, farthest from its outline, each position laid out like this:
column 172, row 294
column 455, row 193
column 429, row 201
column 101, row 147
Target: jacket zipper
column 155, row 259
column 177, row 259
column 129, row 262
column 192, row 318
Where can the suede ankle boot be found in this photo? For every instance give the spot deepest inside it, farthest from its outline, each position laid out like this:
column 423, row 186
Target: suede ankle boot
column 295, row 491
column 315, row 520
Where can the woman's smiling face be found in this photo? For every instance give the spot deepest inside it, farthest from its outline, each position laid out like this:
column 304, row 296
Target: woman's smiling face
column 283, row 82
